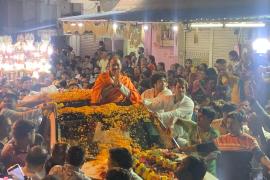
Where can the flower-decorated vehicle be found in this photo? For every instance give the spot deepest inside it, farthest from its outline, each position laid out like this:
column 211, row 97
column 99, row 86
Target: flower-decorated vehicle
column 99, row 128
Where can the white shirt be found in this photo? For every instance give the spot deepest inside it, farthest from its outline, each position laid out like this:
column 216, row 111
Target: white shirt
column 169, row 111
column 149, row 95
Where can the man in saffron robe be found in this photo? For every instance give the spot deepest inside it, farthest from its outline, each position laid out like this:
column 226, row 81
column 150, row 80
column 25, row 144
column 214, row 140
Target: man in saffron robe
column 113, row 87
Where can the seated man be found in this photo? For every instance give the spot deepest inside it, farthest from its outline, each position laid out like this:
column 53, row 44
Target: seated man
column 200, row 132
column 113, row 87
column 177, row 106
column 159, row 83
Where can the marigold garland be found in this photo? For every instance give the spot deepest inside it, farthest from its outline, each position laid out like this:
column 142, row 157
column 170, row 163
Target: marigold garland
column 71, row 95
column 112, row 114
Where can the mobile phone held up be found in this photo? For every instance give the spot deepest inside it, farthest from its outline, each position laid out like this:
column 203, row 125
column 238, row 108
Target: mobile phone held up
column 16, row 172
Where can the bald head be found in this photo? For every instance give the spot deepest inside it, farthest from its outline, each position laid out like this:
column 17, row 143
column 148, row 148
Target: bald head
column 115, row 66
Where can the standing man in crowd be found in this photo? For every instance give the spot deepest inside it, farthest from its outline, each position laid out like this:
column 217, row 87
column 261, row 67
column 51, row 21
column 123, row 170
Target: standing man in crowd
column 103, row 62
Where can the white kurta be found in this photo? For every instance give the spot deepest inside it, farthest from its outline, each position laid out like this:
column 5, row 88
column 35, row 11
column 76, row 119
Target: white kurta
column 148, row 96
column 169, row 111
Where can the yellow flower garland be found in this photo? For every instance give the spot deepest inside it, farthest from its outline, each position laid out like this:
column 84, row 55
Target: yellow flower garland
column 72, row 95
column 117, row 116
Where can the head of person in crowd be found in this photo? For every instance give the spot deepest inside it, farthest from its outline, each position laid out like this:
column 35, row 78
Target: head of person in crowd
column 171, row 74
column 62, row 84
column 152, row 60
column 65, row 76
column 87, row 71
column 97, row 70
column 235, row 122
column 78, row 70
column 127, row 61
column 85, row 83
column 201, row 74
column 180, row 71
column 202, row 67
column 161, row 67
column 24, row 133
column 117, row 174
column 76, row 156
column 180, row 88
column 245, row 106
column 188, row 63
column 115, row 66
column 141, row 51
column 211, row 74
column 191, row 168
column 205, row 117
column 104, row 55
column 59, row 154
column 101, row 46
column 233, row 55
column 132, row 55
column 26, row 82
column 120, row 53
column 204, row 101
column 227, row 108
column 73, row 84
column 5, row 128
column 10, row 99
column 221, row 66
column 146, row 74
column 120, row 157
column 173, row 67
column 143, row 63
column 35, row 161
column 91, row 67
column 59, row 67
column 159, row 82
column 87, row 58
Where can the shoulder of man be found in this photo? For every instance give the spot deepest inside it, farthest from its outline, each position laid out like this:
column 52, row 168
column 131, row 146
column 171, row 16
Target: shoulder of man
column 166, row 92
column 188, row 100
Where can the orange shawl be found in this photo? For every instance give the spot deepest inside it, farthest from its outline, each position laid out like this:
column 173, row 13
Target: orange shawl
column 115, row 95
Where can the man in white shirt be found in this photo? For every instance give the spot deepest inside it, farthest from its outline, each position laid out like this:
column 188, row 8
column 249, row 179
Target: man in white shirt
column 159, row 83
column 103, row 62
column 177, row 106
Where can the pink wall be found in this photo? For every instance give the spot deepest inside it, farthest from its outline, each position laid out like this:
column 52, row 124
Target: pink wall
column 168, row 55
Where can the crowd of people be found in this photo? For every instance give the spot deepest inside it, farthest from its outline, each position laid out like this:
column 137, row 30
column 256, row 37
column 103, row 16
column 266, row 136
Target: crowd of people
column 218, row 115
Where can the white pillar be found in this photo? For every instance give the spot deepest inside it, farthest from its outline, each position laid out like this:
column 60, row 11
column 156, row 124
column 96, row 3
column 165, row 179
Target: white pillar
column 181, row 44
column 211, row 43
